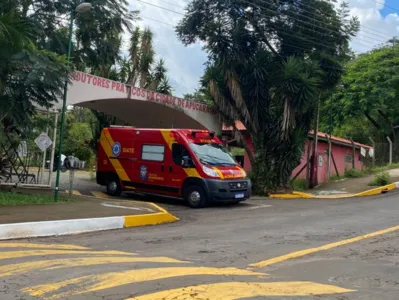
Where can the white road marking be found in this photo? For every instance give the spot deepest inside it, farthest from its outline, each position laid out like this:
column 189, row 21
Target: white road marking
column 257, row 207
column 126, row 207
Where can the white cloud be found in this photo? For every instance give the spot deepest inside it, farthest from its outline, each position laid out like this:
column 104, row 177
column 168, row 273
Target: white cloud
column 376, row 29
column 186, row 64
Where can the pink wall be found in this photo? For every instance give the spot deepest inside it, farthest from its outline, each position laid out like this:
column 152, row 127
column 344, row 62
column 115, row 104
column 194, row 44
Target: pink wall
column 339, row 152
column 247, row 162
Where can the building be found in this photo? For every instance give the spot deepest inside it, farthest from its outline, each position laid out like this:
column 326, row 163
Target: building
column 345, row 155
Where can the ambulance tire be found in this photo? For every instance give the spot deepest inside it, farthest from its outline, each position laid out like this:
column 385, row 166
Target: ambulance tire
column 195, row 196
column 113, row 185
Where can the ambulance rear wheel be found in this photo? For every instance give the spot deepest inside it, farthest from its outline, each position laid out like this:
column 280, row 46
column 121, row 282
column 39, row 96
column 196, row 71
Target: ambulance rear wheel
column 114, row 186
column 195, row 196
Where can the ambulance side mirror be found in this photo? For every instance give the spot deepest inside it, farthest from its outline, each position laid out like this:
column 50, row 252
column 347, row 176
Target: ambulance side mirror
column 187, row 162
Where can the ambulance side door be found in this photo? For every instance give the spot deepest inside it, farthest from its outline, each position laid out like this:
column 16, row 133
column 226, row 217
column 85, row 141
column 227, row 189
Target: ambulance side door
column 176, row 173
column 150, row 169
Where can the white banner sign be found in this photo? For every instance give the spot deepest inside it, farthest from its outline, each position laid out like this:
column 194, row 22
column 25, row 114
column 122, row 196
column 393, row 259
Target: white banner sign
column 363, row 152
column 371, row 152
column 23, row 149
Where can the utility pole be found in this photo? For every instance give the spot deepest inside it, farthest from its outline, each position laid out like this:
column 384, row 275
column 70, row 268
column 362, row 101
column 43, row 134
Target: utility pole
column 315, row 141
column 81, row 8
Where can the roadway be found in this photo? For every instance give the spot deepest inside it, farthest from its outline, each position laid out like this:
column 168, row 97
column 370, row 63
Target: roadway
column 262, row 249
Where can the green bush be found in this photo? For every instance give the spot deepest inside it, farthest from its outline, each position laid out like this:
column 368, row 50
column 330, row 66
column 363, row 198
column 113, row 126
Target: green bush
column 353, row 173
column 381, row 179
column 298, row 185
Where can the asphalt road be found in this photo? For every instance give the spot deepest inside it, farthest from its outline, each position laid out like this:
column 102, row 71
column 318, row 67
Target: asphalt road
column 266, row 249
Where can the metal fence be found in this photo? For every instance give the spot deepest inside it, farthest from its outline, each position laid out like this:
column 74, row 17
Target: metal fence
column 26, row 163
column 383, row 153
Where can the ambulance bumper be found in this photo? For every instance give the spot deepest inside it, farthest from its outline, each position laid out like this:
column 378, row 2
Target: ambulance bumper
column 228, row 190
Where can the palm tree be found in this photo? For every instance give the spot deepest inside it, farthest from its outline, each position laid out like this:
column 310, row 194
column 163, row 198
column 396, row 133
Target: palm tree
column 164, row 87
column 134, row 54
column 146, row 57
column 157, row 75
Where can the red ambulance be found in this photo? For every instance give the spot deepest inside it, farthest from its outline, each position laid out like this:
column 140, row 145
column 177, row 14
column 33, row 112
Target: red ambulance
column 180, row 163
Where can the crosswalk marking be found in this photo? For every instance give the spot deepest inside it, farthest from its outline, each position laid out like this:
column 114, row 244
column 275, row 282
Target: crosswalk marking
column 94, row 283
column 239, row 290
column 55, row 286
column 21, row 268
column 18, row 254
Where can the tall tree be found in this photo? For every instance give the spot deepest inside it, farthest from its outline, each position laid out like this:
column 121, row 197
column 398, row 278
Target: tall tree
column 146, row 57
column 365, row 104
column 29, row 76
column 132, row 67
column 269, row 62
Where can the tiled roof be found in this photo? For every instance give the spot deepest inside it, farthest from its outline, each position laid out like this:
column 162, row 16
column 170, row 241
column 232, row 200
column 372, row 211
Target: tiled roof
column 321, row 135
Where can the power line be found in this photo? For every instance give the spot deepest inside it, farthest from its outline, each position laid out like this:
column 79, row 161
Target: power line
column 161, row 7
column 367, row 41
column 172, row 4
column 307, row 5
column 314, row 25
column 158, row 21
column 309, row 18
column 287, row 44
column 355, row 42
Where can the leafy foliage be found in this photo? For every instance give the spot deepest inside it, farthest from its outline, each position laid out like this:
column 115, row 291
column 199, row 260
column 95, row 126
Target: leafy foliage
column 263, row 75
column 365, row 103
column 29, row 75
column 381, row 179
column 75, row 141
column 353, row 173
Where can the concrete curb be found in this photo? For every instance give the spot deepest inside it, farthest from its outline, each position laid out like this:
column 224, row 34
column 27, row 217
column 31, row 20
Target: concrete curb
column 372, row 192
column 74, row 226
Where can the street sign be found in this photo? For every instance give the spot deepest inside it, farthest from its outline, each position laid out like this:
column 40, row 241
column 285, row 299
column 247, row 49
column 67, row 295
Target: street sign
column 43, row 141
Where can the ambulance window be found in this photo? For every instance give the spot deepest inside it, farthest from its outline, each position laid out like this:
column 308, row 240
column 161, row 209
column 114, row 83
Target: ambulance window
column 178, row 152
column 153, row 152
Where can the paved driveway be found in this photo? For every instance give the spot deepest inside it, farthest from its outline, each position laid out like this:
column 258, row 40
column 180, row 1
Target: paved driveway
column 267, row 249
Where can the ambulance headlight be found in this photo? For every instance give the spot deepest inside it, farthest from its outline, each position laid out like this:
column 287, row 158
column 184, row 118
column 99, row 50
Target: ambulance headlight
column 210, row 172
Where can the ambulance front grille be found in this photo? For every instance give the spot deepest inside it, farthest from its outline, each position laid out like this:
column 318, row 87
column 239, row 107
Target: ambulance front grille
column 240, row 185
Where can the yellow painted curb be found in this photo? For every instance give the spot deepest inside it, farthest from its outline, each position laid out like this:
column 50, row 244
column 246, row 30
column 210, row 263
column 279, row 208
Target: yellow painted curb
column 285, row 196
column 293, row 195
column 378, row 190
column 372, row 192
column 303, row 195
column 150, row 219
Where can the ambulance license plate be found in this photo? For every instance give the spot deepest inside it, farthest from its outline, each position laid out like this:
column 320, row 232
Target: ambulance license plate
column 239, row 195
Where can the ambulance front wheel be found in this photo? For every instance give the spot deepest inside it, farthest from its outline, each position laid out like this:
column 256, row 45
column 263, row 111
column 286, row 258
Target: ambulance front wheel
column 114, row 186
column 195, row 196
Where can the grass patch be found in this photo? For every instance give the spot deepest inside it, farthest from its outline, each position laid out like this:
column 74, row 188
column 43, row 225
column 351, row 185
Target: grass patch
column 336, row 177
column 298, row 185
column 12, row 198
column 382, row 168
column 381, row 179
column 354, row 173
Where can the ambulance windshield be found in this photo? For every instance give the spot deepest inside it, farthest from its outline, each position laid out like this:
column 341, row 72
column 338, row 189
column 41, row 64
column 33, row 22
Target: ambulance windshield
column 213, row 154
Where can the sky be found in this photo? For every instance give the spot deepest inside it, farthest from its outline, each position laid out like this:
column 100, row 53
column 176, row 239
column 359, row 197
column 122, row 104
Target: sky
column 379, row 22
